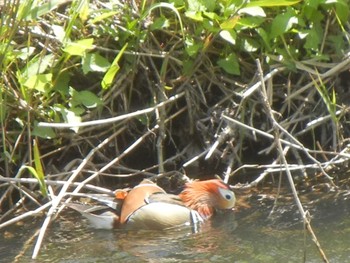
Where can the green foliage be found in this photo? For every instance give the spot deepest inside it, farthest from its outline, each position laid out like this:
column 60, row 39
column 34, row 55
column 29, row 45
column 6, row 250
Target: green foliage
column 328, row 99
column 230, row 64
column 113, row 70
column 94, row 62
column 63, row 62
column 288, row 29
column 78, row 48
column 38, row 173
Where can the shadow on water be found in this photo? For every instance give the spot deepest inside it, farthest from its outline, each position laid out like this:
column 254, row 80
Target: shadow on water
column 249, row 235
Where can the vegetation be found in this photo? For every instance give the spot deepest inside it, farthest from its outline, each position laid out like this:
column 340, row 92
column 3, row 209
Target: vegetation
column 117, row 91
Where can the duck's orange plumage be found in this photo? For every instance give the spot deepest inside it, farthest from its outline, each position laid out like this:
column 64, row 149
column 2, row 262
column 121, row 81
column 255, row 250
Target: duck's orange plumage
column 206, row 196
column 137, row 198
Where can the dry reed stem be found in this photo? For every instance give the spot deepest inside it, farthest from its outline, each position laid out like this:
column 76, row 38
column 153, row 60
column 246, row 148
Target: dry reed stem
column 13, row 208
column 336, row 69
column 195, row 158
column 57, row 200
column 54, row 182
column 294, row 145
column 277, row 129
column 25, row 215
column 276, row 168
column 113, row 119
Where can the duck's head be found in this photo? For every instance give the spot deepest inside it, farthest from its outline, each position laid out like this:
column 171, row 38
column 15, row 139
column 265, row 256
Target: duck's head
column 207, row 196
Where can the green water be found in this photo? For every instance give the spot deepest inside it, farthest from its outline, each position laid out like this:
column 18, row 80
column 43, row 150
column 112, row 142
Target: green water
column 248, row 235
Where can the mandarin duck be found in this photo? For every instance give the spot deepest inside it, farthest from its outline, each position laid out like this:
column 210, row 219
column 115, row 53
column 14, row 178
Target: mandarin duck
column 148, row 206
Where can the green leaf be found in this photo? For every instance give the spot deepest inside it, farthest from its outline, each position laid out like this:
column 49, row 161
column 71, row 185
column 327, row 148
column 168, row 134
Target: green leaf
column 264, row 37
column 59, row 32
column 61, row 83
column 25, row 53
column 93, row 62
column 3, row 108
column 167, row 6
column 229, row 36
column 209, row 5
column 230, row 64
column 338, row 44
column 83, row 9
column 41, row 180
column 109, row 76
column 42, row 9
column 192, row 47
column 250, row 45
column 86, row 98
column 282, row 24
column 229, row 23
column 103, row 16
column 253, row 11
column 188, row 67
column 113, row 70
column 79, row 47
column 208, row 25
column 77, row 112
column 39, row 168
column 328, row 99
column 342, row 10
column 313, row 40
column 272, row 3
column 37, row 65
column 40, row 82
column 211, row 15
column 194, row 15
column 250, row 22
column 43, row 132
column 70, row 116
column 160, row 23
column 201, row 5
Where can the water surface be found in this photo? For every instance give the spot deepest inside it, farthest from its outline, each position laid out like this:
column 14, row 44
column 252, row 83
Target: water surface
column 260, row 233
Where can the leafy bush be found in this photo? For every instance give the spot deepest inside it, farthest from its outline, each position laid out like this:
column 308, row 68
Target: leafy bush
column 70, row 62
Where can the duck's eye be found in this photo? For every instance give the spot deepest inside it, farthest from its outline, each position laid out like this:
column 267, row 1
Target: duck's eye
column 226, row 194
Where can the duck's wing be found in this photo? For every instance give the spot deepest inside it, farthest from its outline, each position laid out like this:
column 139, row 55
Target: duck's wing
column 137, row 198
column 108, row 200
column 164, row 198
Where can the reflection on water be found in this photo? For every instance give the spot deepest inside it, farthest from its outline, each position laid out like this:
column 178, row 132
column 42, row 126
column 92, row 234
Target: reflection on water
column 250, row 235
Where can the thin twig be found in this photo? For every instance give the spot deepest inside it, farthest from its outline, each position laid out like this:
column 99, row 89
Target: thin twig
column 296, row 146
column 25, row 215
column 55, row 182
column 339, row 67
column 111, row 120
column 257, row 85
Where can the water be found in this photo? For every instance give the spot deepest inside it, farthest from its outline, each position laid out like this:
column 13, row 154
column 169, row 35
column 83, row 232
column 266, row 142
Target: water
column 253, row 234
